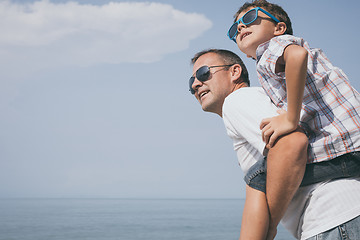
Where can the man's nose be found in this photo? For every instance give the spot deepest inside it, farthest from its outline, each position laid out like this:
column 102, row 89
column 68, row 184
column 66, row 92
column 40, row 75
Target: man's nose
column 196, row 84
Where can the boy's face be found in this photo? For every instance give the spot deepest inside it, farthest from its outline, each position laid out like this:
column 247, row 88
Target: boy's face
column 254, row 34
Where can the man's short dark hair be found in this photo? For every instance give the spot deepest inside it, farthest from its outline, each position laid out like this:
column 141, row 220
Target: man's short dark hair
column 228, row 58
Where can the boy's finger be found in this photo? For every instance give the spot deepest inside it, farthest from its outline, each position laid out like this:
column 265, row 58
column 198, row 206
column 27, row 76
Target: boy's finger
column 267, row 134
column 263, row 131
column 264, row 122
column 272, row 139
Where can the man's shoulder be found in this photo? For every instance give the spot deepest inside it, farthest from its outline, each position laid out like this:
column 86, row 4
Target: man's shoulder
column 246, row 94
column 249, row 101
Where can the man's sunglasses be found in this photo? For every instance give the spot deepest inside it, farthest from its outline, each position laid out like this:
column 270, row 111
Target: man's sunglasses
column 202, row 74
column 249, row 17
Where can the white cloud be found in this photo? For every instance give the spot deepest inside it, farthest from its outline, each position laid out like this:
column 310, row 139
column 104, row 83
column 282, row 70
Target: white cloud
column 45, row 34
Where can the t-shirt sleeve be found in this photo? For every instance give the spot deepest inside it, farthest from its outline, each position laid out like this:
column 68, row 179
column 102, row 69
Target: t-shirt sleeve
column 242, row 113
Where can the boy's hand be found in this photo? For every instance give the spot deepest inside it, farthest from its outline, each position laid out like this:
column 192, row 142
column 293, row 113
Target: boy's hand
column 273, row 128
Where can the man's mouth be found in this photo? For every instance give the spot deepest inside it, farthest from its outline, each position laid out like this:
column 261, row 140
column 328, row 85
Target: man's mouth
column 203, row 94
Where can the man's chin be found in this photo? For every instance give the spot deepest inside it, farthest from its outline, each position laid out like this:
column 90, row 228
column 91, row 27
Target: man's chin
column 207, row 108
column 204, row 108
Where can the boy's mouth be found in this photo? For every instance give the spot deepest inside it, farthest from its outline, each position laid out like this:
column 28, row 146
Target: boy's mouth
column 244, row 35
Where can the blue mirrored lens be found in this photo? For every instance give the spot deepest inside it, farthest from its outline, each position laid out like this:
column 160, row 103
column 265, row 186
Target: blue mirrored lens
column 233, row 30
column 249, row 17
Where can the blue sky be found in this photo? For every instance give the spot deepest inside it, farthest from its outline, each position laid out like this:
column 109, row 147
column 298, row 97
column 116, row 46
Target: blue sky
column 94, row 94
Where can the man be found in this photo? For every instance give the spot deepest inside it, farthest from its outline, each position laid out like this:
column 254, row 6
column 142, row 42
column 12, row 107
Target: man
column 220, row 84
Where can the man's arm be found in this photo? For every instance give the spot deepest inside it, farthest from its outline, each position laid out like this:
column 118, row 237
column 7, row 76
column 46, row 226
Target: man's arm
column 255, row 218
column 286, row 162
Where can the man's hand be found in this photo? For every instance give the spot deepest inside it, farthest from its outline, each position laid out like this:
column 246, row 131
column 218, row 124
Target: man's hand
column 273, row 128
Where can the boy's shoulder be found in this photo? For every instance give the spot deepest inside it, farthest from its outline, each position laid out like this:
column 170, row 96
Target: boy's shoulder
column 284, row 40
column 275, row 46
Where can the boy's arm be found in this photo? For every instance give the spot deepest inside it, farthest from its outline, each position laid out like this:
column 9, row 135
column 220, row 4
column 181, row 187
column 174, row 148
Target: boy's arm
column 294, row 60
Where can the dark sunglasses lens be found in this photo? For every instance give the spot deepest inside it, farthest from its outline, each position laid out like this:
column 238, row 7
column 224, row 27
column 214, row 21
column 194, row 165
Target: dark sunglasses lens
column 191, row 81
column 233, row 30
column 249, row 17
column 203, row 73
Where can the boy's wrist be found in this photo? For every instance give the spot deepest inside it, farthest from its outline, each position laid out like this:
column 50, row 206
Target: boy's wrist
column 294, row 121
column 293, row 115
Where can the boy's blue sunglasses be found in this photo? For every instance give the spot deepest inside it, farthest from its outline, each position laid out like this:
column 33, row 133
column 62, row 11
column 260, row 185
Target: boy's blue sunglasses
column 249, row 17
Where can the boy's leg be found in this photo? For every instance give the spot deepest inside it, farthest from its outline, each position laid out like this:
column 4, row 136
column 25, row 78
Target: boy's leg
column 255, row 218
column 286, row 162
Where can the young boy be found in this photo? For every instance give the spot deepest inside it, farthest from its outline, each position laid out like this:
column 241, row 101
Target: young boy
column 315, row 94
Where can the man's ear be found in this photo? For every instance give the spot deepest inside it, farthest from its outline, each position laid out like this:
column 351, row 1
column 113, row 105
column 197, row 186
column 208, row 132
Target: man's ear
column 235, row 72
column 280, row 29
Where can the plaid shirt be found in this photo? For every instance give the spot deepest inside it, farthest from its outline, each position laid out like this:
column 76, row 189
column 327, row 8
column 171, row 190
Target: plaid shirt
column 330, row 108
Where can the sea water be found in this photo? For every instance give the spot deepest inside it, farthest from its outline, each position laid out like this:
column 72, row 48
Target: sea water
column 122, row 219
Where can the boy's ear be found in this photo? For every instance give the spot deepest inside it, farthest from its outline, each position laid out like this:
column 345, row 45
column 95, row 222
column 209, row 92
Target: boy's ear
column 280, row 29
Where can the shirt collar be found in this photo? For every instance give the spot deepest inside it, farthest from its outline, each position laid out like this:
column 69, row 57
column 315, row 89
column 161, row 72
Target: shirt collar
column 261, row 49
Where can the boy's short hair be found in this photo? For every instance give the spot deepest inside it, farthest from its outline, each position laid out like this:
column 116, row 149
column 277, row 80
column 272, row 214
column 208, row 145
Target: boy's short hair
column 229, row 58
column 272, row 8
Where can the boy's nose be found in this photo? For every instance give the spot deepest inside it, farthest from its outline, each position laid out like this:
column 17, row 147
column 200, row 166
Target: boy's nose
column 240, row 26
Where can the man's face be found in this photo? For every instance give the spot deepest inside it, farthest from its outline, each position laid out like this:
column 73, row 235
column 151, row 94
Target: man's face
column 212, row 93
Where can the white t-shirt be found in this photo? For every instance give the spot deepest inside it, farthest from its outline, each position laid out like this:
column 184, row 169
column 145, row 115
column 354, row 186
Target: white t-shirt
column 243, row 111
column 315, row 208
